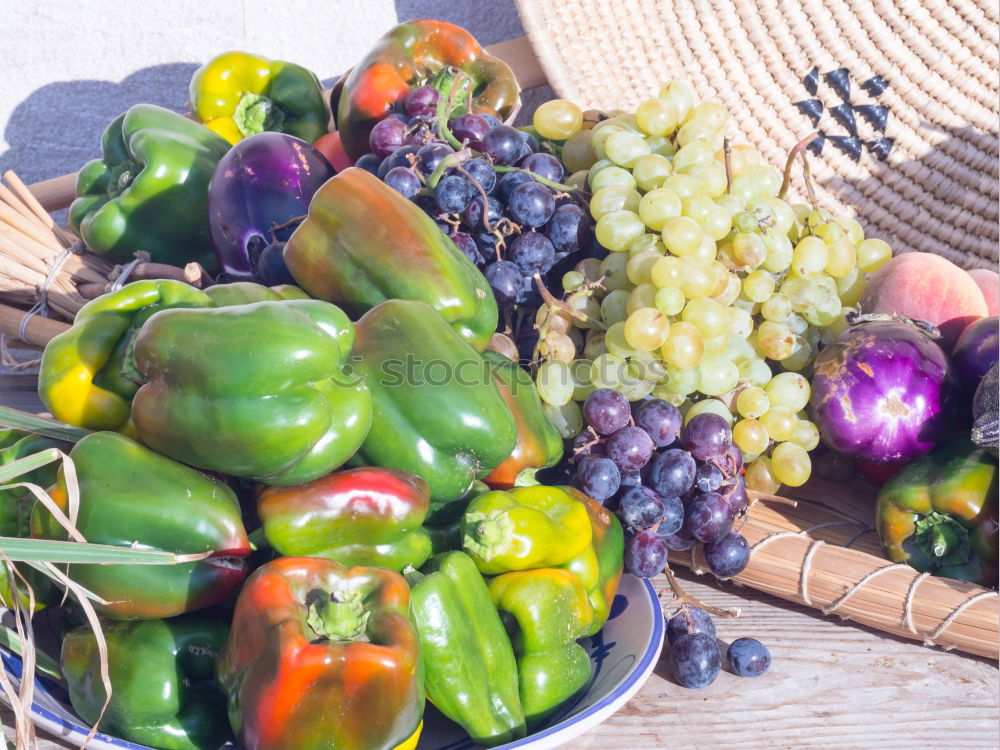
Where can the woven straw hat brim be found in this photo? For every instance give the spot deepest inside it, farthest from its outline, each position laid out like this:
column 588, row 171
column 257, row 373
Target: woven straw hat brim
column 936, row 190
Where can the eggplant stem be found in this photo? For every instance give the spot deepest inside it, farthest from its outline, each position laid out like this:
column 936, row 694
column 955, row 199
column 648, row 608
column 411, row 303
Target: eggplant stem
column 854, row 317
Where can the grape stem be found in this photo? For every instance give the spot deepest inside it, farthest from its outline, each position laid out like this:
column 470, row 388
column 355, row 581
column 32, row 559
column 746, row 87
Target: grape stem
column 537, row 177
column 684, row 598
column 284, row 225
column 551, row 301
column 807, row 177
column 797, row 149
column 757, row 496
column 444, row 108
column 727, row 153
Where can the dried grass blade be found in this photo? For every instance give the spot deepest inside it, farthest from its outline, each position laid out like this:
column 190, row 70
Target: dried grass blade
column 45, row 663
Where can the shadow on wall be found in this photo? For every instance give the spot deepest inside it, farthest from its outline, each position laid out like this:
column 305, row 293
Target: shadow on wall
column 59, row 126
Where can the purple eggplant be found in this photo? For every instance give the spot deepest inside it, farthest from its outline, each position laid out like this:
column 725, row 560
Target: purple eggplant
column 882, row 392
column 264, row 182
column 975, row 351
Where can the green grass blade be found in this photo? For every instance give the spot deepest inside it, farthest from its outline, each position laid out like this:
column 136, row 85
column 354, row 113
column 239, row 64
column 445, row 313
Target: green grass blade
column 54, row 551
column 40, row 425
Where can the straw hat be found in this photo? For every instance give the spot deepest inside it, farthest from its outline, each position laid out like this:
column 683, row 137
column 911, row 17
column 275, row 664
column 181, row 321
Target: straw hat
column 905, row 97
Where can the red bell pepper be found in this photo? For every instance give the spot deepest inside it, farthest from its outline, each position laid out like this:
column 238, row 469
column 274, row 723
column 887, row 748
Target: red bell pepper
column 321, row 656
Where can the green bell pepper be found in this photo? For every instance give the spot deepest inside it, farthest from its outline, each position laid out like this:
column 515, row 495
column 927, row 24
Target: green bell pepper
column 82, row 380
column 238, row 95
column 254, row 391
column 599, row 567
column 939, row 514
column 130, row 495
column 163, row 689
column 470, row 670
column 440, row 415
column 357, row 517
column 247, row 292
column 545, row 610
column 149, row 190
column 363, row 243
column 526, row 527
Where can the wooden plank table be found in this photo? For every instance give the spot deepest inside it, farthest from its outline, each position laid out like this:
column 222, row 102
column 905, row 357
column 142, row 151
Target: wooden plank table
column 831, row 685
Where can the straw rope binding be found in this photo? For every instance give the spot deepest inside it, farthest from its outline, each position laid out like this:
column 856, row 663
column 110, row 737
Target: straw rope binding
column 905, row 95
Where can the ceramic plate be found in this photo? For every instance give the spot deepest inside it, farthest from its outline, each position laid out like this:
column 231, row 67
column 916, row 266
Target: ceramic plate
column 623, row 655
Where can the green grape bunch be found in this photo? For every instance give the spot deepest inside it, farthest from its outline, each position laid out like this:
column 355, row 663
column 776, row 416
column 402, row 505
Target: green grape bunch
column 716, row 293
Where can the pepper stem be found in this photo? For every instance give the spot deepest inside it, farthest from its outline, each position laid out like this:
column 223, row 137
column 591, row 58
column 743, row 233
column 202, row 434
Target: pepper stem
column 487, row 534
column 256, row 114
column 336, row 616
column 943, row 539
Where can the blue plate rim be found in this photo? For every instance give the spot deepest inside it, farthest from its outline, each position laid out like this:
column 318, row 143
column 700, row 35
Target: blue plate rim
column 639, row 672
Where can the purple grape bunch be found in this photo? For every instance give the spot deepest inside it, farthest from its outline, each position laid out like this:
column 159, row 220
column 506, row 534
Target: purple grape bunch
column 508, row 223
column 672, row 485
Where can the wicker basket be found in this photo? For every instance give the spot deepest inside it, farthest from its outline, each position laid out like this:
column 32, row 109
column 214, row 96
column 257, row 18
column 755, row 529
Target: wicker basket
column 904, row 94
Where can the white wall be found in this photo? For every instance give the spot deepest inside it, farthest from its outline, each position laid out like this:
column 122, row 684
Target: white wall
column 68, row 67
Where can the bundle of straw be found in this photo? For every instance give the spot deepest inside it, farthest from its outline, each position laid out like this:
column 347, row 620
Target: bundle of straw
column 822, row 552
column 42, row 265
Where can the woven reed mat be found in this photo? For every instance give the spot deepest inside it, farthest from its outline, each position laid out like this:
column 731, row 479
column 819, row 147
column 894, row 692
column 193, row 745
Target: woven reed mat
column 904, row 94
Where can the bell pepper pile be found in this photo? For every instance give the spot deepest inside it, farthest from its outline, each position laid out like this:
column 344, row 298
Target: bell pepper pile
column 338, row 461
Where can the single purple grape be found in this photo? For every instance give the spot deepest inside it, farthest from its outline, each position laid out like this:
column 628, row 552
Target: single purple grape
column 398, row 158
column 689, row 619
column 660, row 419
column 467, row 245
column 503, row 144
column 645, row 554
column 505, row 281
column 631, row 479
column 569, row 228
column 708, row 517
column 544, row 165
column 481, row 171
column 531, row 204
column 369, row 163
column 639, row 507
column 707, row 436
column 708, row 478
column 736, row 494
column 598, row 477
column 470, row 129
column 430, row 155
column 509, row 181
column 607, row 411
column 630, row 448
column 453, row 193
column 671, row 472
column 695, row 660
column 748, row 657
column 491, row 120
column 532, row 252
column 727, row 556
column 680, row 541
column 472, row 216
column 387, row 135
column 673, row 516
column 421, row 101
column 403, row 181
